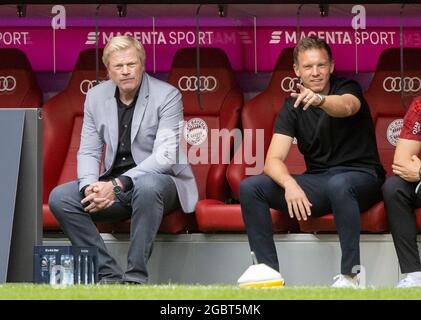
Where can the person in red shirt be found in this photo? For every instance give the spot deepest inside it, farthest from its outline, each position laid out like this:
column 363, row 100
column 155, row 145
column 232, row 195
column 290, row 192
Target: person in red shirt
column 402, row 195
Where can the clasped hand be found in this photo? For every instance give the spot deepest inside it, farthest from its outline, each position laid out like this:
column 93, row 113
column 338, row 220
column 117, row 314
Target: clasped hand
column 99, row 196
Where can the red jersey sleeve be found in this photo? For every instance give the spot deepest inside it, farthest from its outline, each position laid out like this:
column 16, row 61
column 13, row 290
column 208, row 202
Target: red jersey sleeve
column 412, row 122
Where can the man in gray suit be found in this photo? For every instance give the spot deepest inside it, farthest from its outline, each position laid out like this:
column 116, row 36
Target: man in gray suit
column 135, row 119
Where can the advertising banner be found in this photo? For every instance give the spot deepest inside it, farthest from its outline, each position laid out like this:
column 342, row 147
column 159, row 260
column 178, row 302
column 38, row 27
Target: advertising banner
column 49, row 49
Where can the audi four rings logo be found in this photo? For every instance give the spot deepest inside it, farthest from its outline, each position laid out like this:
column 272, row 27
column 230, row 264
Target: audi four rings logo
column 394, row 84
column 206, row 83
column 289, row 84
column 85, row 85
column 7, row 84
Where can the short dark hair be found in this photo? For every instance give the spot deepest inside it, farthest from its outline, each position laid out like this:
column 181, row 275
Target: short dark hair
column 311, row 43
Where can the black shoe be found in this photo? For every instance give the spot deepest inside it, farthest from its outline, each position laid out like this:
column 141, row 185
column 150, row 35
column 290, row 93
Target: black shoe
column 110, row 281
column 133, row 283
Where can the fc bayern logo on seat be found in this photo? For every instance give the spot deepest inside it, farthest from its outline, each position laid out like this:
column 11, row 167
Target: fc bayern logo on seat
column 394, row 130
column 195, row 131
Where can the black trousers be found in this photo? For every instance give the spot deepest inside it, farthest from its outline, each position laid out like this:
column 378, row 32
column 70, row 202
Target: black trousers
column 400, row 202
column 342, row 190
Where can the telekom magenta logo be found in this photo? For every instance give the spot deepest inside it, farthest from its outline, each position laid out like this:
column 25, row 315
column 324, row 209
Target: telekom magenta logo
column 91, row 38
column 275, row 37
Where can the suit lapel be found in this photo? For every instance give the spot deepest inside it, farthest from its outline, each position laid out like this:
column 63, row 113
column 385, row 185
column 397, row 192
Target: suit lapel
column 112, row 120
column 142, row 102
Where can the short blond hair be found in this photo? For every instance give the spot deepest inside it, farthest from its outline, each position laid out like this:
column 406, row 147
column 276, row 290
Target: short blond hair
column 120, row 43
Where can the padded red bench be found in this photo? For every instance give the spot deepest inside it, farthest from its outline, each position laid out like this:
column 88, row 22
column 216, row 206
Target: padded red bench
column 221, row 102
column 63, row 117
column 260, row 112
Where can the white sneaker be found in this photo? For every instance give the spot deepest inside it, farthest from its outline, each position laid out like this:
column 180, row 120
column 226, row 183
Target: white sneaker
column 410, row 281
column 342, row 281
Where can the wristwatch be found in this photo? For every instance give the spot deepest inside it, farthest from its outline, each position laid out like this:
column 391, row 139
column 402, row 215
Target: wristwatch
column 322, row 98
column 117, row 189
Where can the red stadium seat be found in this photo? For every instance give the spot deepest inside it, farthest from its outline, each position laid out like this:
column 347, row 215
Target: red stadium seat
column 258, row 113
column 389, row 105
column 63, row 117
column 221, row 102
column 387, row 110
column 384, row 94
column 387, row 129
column 386, row 102
column 18, row 85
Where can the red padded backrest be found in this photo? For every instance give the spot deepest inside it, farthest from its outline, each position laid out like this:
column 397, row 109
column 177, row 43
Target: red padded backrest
column 260, row 113
column 63, row 116
column 385, row 101
column 388, row 129
column 221, row 102
column 18, row 85
column 68, row 173
column 384, row 95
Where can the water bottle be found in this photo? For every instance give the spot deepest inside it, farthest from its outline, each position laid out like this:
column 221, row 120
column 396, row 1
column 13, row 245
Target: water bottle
column 68, row 269
column 56, row 276
column 54, row 273
column 45, row 272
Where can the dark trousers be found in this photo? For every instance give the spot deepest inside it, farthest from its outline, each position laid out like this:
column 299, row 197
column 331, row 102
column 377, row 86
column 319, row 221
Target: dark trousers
column 400, row 202
column 344, row 191
column 152, row 196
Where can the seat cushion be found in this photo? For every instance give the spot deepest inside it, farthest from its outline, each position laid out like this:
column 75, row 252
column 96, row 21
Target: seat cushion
column 373, row 220
column 216, row 216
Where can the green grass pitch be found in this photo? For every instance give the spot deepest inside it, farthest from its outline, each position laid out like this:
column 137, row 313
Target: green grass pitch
column 197, row 292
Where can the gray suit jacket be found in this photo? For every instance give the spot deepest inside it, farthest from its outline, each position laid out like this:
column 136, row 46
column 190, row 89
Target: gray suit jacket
column 155, row 136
